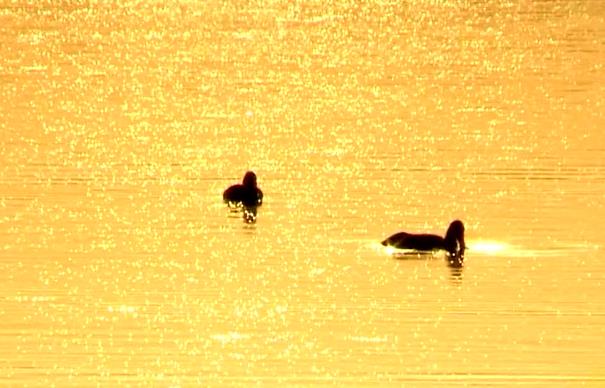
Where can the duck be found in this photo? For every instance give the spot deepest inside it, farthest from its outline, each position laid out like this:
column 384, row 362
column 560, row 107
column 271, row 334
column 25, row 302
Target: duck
column 452, row 243
column 246, row 194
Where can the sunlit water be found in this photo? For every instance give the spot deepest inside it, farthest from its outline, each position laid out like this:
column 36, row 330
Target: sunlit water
column 121, row 124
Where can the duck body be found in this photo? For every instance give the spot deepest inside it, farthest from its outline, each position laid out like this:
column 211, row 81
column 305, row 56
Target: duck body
column 245, row 194
column 418, row 242
column 453, row 242
column 242, row 195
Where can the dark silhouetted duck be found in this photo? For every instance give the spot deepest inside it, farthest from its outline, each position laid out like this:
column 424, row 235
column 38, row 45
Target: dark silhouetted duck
column 246, row 194
column 453, row 242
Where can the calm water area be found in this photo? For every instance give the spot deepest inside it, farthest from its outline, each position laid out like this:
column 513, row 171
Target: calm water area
column 122, row 122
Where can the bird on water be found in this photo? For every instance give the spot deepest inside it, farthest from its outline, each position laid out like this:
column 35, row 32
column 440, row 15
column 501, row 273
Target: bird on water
column 246, row 195
column 452, row 243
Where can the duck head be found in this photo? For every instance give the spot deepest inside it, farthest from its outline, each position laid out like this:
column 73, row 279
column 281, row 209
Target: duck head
column 454, row 238
column 250, row 179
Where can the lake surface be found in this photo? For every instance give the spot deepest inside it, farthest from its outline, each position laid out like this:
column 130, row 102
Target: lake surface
column 121, row 124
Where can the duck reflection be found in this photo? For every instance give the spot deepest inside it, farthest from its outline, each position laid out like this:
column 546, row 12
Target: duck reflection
column 456, row 259
column 456, row 274
column 249, row 214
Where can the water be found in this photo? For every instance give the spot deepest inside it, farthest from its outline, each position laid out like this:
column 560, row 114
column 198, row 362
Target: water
column 123, row 123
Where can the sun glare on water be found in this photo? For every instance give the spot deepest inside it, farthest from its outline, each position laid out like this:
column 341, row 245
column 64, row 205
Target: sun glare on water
column 488, row 247
column 388, row 249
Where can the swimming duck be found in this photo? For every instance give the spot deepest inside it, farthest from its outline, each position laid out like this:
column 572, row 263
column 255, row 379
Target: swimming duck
column 453, row 242
column 245, row 194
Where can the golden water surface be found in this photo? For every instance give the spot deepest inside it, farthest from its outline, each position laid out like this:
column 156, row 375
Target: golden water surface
column 122, row 122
